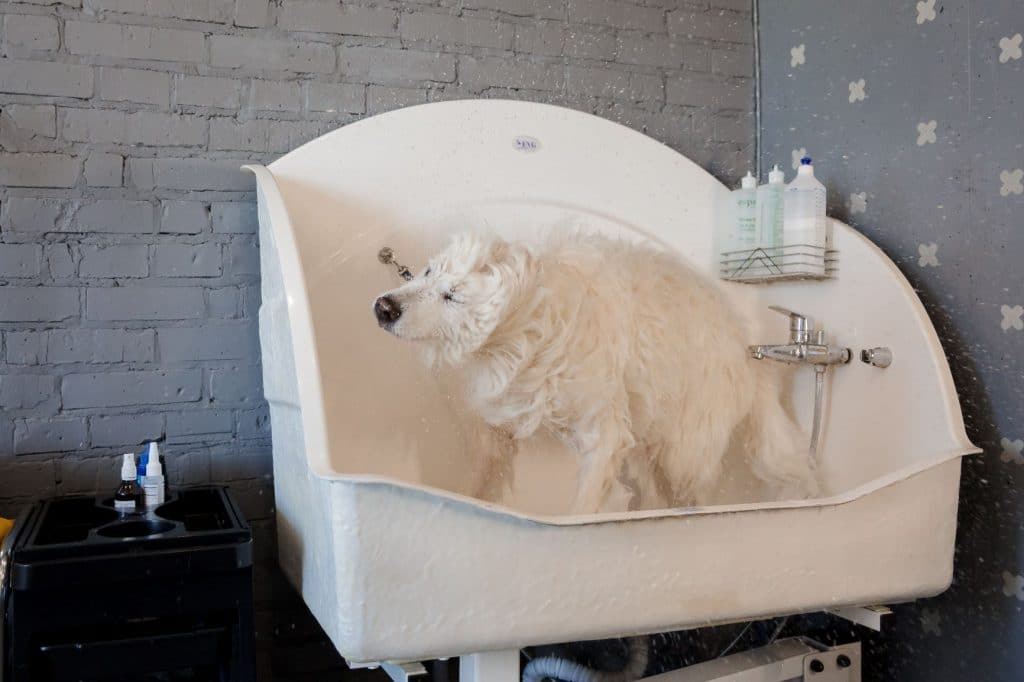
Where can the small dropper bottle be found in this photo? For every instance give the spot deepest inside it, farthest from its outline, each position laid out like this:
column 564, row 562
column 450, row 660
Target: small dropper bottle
column 153, row 485
column 126, row 499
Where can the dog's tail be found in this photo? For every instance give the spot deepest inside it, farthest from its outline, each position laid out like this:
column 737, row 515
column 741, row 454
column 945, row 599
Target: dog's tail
column 555, row 668
column 779, row 449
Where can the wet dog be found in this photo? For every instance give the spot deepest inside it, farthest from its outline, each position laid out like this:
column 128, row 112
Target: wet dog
column 626, row 353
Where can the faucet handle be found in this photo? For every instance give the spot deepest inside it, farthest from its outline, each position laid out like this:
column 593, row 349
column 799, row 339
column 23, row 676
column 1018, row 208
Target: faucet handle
column 784, row 311
column 799, row 325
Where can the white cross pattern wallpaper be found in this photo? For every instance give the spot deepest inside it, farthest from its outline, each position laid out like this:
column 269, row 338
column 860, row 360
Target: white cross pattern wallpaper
column 910, row 113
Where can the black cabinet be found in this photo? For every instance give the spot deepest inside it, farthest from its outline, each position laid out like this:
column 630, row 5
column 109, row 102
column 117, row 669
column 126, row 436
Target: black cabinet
column 161, row 595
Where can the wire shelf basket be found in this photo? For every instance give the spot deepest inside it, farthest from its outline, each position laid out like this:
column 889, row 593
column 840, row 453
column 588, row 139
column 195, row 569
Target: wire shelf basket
column 779, row 263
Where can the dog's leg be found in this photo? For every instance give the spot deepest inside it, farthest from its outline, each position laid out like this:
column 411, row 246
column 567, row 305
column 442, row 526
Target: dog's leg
column 657, row 490
column 641, row 482
column 597, row 472
column 602, row 448
column 493, row 452
column 620, row 497
column 691, row 458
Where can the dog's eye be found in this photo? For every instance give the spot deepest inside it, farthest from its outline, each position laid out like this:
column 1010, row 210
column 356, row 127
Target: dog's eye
column 427, row 272
column 449, row 296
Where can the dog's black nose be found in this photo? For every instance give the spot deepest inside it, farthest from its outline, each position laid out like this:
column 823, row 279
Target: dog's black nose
column 387, row 310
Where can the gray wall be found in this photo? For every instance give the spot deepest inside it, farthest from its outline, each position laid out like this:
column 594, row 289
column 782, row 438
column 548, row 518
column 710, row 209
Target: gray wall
column 928, row 165
column 127, row 232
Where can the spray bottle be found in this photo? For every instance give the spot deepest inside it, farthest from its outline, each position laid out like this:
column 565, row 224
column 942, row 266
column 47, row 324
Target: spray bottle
column 126, row 499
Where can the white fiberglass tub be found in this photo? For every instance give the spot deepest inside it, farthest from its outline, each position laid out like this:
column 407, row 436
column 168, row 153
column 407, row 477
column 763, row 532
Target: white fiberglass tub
column 397, row 564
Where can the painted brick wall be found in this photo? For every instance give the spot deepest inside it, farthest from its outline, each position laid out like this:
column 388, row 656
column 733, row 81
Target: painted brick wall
column 128, row 254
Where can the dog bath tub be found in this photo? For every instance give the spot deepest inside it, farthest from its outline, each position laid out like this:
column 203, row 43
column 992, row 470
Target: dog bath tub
column 374, row 529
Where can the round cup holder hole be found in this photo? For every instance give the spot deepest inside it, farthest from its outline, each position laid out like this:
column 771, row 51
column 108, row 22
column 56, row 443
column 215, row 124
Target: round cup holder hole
column 135, row 529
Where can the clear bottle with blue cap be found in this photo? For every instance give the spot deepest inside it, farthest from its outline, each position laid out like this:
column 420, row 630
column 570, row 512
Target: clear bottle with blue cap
column 805, row 224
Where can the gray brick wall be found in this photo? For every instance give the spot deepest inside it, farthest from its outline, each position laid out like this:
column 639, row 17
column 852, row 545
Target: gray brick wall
column 128, row 261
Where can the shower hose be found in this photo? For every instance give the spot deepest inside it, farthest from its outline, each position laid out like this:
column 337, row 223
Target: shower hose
column 819, row 394
column 564, row 670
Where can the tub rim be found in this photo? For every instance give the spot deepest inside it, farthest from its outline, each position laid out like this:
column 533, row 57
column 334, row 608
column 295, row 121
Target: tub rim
column 600, row 518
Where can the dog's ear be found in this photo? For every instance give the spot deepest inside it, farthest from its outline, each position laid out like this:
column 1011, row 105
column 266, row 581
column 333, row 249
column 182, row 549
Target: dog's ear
column 495, row 253
column 510, row 262
column 506, row 253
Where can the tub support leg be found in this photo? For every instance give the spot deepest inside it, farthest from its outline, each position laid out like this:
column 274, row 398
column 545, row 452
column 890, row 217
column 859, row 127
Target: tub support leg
column 405, row 672
column 492, row 666
column 796, row 659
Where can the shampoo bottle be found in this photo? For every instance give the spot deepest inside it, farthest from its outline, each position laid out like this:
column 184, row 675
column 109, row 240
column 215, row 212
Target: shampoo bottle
column 770, row 211
column 805, row 222
column 126, row 499
column 745, row 202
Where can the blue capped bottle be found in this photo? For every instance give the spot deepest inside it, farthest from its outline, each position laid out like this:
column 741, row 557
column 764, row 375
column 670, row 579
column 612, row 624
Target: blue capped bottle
column 805, row 224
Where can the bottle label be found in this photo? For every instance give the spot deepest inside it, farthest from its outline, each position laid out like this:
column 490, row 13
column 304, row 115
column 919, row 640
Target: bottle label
column 153, row 490
column 124, row 505
column 746, row 219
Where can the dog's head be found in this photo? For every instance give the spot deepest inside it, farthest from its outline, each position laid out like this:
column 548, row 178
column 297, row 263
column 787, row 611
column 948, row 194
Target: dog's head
column 459, row 299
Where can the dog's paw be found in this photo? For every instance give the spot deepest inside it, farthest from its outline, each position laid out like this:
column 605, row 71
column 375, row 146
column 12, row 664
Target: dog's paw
column 494, row 488
column 496, row 478
column 619, row 499
column 587, row 504
column 799, row 490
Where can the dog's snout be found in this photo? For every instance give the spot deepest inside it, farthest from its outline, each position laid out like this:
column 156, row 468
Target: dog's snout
column 387, row 310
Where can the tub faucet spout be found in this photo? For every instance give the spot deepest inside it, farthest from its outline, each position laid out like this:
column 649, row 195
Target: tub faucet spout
column 790, row 353
column 805, row 346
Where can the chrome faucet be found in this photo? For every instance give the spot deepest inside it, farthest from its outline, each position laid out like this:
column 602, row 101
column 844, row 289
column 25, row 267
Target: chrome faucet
column 806, row 345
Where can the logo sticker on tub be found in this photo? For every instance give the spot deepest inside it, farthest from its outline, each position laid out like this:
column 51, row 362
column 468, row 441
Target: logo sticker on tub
column 525, row 143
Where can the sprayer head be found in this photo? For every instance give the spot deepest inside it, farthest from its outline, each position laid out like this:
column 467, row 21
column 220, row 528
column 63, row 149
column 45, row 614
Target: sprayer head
column 128, row 467
column 153, row 465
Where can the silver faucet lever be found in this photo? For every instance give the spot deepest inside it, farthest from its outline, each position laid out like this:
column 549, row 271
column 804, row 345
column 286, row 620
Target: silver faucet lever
column 799, row 325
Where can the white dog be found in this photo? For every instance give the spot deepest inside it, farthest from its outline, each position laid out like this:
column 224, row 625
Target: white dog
column 627, row 354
